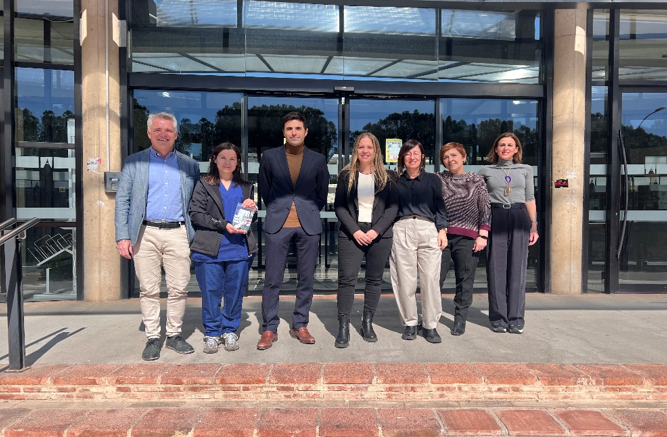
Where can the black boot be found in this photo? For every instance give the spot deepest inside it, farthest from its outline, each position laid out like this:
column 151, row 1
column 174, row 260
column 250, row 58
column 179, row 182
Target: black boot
column 343, row 337
column 367, row 331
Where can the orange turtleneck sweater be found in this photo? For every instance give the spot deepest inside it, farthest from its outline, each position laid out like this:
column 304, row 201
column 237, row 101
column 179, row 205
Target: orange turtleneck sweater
column 294, row 160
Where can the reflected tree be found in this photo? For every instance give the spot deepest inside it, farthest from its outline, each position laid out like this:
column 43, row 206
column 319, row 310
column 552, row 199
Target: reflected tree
column 405, row 125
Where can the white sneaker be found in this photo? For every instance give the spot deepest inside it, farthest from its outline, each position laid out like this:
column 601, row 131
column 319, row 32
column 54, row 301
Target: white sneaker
column 231, row 341
column 211, row 345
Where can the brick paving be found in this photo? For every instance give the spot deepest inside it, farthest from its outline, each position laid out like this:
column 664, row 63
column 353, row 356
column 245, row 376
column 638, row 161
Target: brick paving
column 334, row 400
column 328, row 422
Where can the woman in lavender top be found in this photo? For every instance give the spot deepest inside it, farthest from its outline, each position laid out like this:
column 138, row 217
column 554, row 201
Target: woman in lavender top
column 469, row 215
column 514, row 218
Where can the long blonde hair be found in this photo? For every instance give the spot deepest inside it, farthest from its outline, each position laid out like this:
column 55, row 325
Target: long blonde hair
column 379, row 172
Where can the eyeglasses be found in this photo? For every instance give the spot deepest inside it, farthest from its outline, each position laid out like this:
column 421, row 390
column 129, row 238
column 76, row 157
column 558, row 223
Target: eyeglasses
column 414, row 154
column 227, row 160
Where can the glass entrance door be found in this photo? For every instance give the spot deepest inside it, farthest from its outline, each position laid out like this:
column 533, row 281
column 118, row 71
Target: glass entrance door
column 265, row 115
column 643, row 208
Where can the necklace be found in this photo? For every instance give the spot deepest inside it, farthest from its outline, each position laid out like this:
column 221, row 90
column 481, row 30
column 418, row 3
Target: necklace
column 508, row 179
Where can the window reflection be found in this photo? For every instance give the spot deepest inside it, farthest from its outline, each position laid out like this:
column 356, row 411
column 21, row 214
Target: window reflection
column 48, row 41
column 600, row 43
column 45, row 105
column 290, row 16
column 276, row 39
column 45, row 184
column 475, row 24
column 205, row 119
column 171, row 13
column 48, row 8
column 642, row 45
column 388, row 20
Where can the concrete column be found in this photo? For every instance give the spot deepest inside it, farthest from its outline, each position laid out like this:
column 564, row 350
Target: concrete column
column 101, row 139
column 569, row 121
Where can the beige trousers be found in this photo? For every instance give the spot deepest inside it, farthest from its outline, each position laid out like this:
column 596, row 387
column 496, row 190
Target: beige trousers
column 415, row 250
column 156, row 248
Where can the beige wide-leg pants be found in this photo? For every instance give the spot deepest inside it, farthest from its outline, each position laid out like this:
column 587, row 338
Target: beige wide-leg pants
column 155, row 248
column 415, row 250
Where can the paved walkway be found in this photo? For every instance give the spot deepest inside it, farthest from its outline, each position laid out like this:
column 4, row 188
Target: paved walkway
column 559, row 329
column 591, row 365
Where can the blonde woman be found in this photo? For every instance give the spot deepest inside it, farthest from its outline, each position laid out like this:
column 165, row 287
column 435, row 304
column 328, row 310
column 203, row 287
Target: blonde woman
column 366, row 205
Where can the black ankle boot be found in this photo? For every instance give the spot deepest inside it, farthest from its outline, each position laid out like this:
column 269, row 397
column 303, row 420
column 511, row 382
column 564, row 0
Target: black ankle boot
column 367, row 331
column 343, row 337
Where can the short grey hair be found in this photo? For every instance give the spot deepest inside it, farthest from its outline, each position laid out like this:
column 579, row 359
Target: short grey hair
column 163, row 116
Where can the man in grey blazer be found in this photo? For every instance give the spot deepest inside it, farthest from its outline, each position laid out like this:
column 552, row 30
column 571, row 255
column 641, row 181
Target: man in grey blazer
column 293, row 182
column 153, row 228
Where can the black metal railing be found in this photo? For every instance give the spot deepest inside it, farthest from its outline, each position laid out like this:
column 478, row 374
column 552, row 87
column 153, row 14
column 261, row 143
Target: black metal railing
column 12, row 286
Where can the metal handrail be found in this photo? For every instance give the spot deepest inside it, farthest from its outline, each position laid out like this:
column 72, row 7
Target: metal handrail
column 7, row 223
column 12, row 285
column 18, row 231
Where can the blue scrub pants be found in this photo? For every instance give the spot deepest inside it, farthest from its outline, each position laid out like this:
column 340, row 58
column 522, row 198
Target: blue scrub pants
column 228, row 280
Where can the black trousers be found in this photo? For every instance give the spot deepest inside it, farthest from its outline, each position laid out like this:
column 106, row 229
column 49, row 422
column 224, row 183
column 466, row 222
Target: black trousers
column 459, row 251
column 507, row 255
column 350, row 254
column 277, row 246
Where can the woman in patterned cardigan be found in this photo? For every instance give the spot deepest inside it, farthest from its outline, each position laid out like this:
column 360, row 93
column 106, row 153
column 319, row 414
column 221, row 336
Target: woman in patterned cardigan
column 469, row 214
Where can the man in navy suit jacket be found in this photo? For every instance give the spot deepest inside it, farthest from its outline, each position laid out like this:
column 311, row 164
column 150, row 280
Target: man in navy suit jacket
column 293, row 182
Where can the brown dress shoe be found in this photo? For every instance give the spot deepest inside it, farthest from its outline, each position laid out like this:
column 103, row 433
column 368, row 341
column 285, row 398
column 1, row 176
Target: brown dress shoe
column 267, row 340
column 302, row 335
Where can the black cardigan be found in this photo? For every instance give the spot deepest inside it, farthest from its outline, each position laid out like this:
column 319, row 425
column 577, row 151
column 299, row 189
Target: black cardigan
column 385, row 206
column 205, row 208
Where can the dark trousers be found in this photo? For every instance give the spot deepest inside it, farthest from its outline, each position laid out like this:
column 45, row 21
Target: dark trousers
column 507, row 255
column 277, row 246
column 459, row 251
column 350, row 254
column 228, row 280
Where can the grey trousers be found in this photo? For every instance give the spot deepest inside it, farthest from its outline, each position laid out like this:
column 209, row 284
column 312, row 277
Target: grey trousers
column 415, row 250
column 507, row 262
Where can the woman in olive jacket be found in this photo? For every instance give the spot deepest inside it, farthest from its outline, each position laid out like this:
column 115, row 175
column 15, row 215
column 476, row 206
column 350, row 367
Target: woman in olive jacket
column 366, row 204
column 222, row 254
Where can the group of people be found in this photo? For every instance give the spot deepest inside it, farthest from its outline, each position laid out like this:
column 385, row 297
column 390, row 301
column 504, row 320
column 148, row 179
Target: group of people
column 167, row 216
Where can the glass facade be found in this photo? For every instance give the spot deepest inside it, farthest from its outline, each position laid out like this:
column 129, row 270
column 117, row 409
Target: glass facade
column 45, row 149
column 230, row 69
column 626, row 205
column 281, row 39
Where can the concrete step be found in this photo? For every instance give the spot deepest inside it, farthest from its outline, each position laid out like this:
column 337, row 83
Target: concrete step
column 492, row 384
column 196, row 421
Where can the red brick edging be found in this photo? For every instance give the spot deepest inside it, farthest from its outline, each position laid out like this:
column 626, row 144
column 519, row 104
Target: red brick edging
column 341, row 381
column 328, row 422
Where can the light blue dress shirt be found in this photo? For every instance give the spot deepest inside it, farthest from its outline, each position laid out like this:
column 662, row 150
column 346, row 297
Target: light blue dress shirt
column 164, row 201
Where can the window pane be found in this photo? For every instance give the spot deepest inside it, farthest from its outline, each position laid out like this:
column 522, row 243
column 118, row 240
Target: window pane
column 387, row 20
column 290, row 16
column 195, row 36
column 48, row 8
column 489, row 47
column 49, row 268
column 45, row 104
column 45, row 184
column 170, row 13
column 600, row 44
column 205, row 119
column 45, row 40
column 388, row 43
column 643, row 36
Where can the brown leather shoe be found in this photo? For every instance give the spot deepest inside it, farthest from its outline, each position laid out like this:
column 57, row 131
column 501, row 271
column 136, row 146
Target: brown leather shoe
column 302, row 335
column 267, row 340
